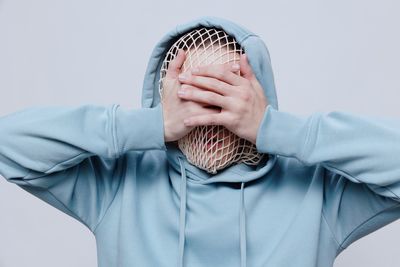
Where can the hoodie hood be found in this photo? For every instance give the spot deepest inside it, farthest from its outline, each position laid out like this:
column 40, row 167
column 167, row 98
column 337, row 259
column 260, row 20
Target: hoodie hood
column 259, row 59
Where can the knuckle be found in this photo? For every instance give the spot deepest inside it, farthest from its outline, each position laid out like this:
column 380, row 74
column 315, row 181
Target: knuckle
column 245, row 96
column 247, row 83
column 219, row 74
column 227, row 72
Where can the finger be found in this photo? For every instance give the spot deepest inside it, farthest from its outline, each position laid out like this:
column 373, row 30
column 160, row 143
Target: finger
column 201, row 110
column 193, row 93
column 208, row 110
column 249, row 74
column 175, row 65
column 207, row 83
column 222, row 72
column 245, row 67
column 201, row 105
column 209, row 119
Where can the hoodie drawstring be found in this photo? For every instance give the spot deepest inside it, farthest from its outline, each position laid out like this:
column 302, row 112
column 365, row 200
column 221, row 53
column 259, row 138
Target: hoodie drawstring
column 242, row 227
column 182, row 220
column 182, row 215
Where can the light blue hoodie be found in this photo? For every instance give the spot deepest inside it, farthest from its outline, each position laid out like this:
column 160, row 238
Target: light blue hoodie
column 328, row 178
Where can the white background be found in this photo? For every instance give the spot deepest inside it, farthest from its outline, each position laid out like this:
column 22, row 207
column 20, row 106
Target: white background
column 341, row 55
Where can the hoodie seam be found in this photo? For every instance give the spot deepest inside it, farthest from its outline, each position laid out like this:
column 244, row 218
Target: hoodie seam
column 344, row 174
column 114, row 131
column 74, row 214
column 364, row 222
column 108, row 208
column 247, row 36
column 314, row 119
column 114, row 142
column 49, row 170
column 331, row 231
column 202, row 181
column 93, row 230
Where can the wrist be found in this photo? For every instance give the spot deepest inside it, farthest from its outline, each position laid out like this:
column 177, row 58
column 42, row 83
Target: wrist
column 167, row 135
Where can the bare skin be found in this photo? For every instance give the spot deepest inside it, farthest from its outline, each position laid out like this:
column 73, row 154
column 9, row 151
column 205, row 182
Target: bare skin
column 241, row 99
column 175, row 109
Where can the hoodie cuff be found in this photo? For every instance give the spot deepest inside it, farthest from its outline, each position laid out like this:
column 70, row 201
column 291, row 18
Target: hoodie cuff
column 282, row 133
column 138, row 129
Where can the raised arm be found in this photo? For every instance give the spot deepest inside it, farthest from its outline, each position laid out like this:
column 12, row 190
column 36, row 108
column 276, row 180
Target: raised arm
column 362, row 149
column 361, row 156
column 69, row 156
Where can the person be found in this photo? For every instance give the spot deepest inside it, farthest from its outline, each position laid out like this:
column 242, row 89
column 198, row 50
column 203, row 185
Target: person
column 209, row 147
column 325, row 180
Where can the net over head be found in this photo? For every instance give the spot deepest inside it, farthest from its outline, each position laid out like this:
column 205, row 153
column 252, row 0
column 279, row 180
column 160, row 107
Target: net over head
column 210, row 147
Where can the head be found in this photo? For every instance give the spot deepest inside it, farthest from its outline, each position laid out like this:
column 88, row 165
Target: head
column 211, row 147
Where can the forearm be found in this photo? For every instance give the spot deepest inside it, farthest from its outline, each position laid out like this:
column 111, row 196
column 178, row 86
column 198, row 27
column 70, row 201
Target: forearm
column 360, row 148
column 50, row 139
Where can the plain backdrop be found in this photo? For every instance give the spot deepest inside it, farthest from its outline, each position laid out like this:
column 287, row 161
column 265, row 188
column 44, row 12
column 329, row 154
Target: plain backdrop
column 336, row 55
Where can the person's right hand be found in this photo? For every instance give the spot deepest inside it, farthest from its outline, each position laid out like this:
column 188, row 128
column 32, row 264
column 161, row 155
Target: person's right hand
column 175, row 109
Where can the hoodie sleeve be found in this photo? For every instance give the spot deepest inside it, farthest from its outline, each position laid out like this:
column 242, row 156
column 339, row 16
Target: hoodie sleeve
column 71, row 157
column 361, row 161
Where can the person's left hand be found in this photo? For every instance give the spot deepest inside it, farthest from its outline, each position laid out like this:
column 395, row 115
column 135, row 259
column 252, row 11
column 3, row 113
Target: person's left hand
column 240, row 98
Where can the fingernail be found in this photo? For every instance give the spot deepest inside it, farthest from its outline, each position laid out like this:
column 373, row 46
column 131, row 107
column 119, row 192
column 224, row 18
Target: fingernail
column 181, row 90
column 235, row 66
column 182, row 77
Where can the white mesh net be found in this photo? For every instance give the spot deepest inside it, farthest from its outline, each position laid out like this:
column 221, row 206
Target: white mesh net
column 210, row 147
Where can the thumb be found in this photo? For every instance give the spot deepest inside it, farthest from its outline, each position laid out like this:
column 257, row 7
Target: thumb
column 175, row 65
column 245, row 67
